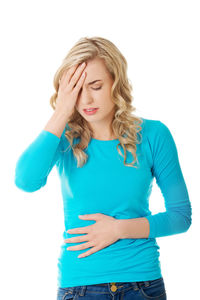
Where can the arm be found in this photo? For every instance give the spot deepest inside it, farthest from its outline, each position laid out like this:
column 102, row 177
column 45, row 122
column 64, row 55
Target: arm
column 167, row 171
column 137, row 228
column 36, row 162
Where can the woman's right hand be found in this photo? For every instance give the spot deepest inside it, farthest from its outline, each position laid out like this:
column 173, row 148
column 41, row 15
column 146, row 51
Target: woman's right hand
column 69, row 87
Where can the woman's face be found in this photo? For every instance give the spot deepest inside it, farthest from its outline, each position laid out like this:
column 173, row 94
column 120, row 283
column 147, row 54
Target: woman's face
column 96, row 95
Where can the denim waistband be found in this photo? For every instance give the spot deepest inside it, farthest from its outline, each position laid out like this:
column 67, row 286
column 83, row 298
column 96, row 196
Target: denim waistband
column 106, row 287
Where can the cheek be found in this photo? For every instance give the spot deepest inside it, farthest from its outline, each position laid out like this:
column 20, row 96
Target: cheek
column 102, row 96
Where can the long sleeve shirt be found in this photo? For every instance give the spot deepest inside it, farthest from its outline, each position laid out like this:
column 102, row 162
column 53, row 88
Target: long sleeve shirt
column 105, row 185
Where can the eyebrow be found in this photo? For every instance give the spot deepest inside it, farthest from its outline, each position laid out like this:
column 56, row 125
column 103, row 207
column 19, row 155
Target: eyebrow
column 94, row 81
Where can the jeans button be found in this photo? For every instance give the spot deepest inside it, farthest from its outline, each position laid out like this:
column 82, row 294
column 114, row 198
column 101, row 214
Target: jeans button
column 113, row 287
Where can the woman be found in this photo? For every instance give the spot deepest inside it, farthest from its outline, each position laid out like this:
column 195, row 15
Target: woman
column 109, row 249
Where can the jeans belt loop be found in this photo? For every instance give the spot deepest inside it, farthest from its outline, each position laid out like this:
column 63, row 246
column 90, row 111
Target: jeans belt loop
column 83, row 290
column 146, row 283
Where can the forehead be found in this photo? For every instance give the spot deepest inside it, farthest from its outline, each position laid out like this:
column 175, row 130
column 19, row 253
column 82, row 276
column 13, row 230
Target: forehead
column 93, row 81
column 96, row 71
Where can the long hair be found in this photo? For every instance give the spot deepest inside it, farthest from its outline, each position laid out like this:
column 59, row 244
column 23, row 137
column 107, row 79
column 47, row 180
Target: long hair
column 125, row 125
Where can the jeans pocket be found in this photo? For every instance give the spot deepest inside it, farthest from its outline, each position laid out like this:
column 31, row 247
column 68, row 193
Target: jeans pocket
column 155, row 289
column 65, row 294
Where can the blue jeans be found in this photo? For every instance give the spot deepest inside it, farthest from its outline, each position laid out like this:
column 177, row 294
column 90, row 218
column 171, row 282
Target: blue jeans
column 152, row 289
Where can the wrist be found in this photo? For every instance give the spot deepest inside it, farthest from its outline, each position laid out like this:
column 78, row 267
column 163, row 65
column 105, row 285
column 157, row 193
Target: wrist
column 135, row 228
column 61, row 114
column 119, row 228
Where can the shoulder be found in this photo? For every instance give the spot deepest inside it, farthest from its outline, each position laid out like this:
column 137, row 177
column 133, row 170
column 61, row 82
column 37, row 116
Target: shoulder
column 157, row 135
column 152, row 128
column 159, row 138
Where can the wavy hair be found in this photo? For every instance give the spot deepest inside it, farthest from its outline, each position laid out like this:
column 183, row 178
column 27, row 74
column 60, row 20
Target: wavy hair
column 125, row 125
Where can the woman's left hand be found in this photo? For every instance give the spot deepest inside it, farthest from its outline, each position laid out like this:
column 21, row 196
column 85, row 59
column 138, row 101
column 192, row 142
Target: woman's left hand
column 99, row 235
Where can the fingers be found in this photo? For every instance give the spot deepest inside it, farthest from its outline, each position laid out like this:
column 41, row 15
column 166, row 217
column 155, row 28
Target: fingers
column 75, row 77
column 89, row 252
column 77, row 239
column 70, row 72
column 71, row 76
column 80, row 247
column 80, row 82
column 67, row 74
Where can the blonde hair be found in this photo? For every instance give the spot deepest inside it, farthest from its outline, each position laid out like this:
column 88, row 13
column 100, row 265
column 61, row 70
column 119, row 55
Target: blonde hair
column 125, row 126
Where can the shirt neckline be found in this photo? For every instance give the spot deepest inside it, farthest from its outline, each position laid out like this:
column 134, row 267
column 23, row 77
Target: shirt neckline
column 97, row 140
column 104, row 142
column 108, row 141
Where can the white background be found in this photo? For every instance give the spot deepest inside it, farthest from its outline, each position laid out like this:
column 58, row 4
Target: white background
column 160, row 40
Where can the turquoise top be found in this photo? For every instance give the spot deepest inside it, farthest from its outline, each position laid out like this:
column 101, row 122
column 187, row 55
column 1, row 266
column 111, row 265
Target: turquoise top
column 105, row 185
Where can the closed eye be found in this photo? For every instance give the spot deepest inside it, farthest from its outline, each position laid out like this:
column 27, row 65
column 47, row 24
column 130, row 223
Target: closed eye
column 97, row 88
column 92, row 89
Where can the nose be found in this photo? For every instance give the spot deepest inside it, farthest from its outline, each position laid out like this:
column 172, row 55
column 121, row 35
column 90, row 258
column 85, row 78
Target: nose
column 85, row 97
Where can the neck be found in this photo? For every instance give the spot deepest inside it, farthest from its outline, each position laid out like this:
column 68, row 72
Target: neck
column 104, row 137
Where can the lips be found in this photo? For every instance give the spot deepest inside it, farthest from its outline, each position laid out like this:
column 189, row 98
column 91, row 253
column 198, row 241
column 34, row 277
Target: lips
column 90, row 112
column 90, row 108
